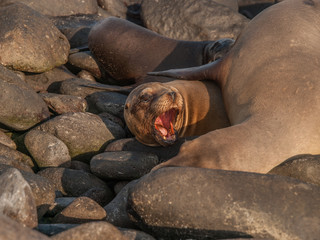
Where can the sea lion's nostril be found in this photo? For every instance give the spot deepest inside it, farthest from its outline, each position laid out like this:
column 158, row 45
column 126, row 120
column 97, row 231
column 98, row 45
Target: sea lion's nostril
column 173, row 95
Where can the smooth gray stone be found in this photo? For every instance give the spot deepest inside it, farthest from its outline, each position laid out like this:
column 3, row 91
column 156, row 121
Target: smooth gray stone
column 59, row 7
column 133, row 234
column 132, row 144
column 20, row 106
column 110, row 102
column 72, row 182
column 193, row 20
column 85, row 60
column 50, row 80
column 29, row 41
column 6, row 140
column 123, row 165
column 11, row 230
column 46, row 149
column 16, row 198
column 84, row 133
column 81, row 210
column 116, row 209
column 77, row 87
column 60, row 203
column 185, row 202
column 61, row 104
column 93, row 230
column 303, row 167
column 54, row 228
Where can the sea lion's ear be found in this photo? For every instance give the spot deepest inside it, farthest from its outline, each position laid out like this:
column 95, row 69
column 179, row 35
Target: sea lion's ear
column 126, row 106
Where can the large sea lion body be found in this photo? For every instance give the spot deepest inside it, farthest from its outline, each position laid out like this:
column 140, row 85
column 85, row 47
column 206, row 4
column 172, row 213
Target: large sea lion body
column 271, row 88
column 127, row 51
column 158, row 113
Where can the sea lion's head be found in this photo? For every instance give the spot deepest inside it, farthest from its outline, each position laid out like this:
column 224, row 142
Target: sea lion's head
column 154, row 113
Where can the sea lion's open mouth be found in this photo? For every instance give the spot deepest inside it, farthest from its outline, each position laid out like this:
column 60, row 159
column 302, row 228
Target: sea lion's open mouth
column 164, row 126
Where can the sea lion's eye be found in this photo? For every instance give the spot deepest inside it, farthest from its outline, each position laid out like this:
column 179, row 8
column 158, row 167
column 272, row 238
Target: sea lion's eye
column 146, row 97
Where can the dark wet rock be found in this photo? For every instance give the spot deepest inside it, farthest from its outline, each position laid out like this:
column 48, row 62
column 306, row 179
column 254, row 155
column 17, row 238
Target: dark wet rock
column 117, row 208
column 93, row 230
column 250, row 8
column 30, row 42
column 11, row 230
column 119, row 185
column 192, row 202
column 85, row 60
column 17, row 158
column 16, row 198
column 73, row 182
column 117, row 130
column 5, row 160
column 303, row 167
column 99, row 195
column 6, row 140
column 76, row 27
column 61, row 104
column 54, row 228
column 131, row 144
column 59, row 7
column 110, row 102
column 133, row 234
column 49, row 80
column 78, row 87
column 107, row 116
column 77, row 165
column 47, row 150
column 81, row 210
column 21, row 107
column 192, row 20
column 60, row 203
column 123, row 165
column 84, row 133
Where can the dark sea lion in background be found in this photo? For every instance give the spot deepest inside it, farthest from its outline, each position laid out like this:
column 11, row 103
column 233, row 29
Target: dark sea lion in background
column 127, row 51
column 271, row 88
column 158, row 113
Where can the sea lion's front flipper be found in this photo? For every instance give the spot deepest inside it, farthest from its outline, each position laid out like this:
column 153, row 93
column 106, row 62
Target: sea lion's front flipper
column 111, row 88
column 204, row 72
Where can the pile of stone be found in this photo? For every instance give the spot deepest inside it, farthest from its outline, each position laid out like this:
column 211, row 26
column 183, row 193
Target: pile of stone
column 63, row 175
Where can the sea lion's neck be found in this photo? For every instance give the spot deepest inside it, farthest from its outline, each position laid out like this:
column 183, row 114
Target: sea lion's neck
column 195, row 107
column 203, row 109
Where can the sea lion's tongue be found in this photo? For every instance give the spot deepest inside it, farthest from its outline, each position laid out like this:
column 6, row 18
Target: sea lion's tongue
column 163, row 123
column 162, row 130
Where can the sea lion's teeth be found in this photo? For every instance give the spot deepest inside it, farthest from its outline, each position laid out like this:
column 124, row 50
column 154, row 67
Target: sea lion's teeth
column 171, row 128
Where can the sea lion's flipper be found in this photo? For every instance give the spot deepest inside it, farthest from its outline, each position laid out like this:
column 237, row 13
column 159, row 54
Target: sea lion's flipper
column 111, row 88
column 203, row 72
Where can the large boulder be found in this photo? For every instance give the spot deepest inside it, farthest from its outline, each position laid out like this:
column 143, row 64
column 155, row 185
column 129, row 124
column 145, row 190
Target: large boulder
column 196, row 20
column 58, row 7
column 200, row 203
column 29, row 41
column 20, row 106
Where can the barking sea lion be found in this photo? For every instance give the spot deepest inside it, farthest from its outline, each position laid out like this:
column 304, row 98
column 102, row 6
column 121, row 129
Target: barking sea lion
column 158, row 113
